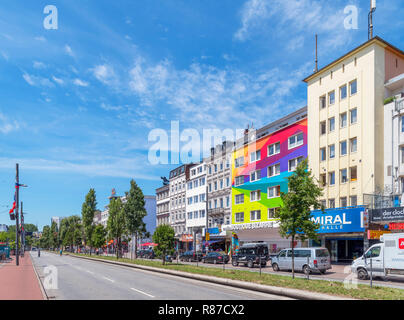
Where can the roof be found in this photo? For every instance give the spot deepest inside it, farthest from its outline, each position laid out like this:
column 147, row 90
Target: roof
column 374, row 40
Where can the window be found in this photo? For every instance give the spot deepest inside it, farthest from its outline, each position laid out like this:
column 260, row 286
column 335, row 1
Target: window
column 255, row 156
column 256, row 175
column 221, row 203
column 322, row 102
column 239, row 181
column 189, row 185
column 323, row 180
column 221, row 184
column 210, row 187
column 255, row 215
column 294, row 162
column 272, row 212
column 189, row 215
column 331, row 203
column 196, row 215
column 274, row 170
column 202, row 213
column 221, row 166
column 190, row 200
column 274, row 149
column 343, row 120
column 331, row 151
column 323, row 154
column 373, row 252
column 354, row 201
column 353, row 173
column 353, row 87
column 331, row 98
column 227, row 182
column 195, row 183
column 331, row 124
column 354, row 115
column 296, row 140
column 274, row 192
column 239, row 162
column 196, row 199
column 215, row 185
column 227, row 202
column 199, row 169
column 353, row 145
column 323, row 203
column 202, row 197
column 240, row 217
column 255, row 196
column 202, row 181
column 331, row 178
column 342, row 148
column 343, row 92
column 323, row 128
column 402, row 124
column 239, row 198
column 343, row 202
column 402, row 154
column 215, row 167
column 344, row 175
column 215, row 202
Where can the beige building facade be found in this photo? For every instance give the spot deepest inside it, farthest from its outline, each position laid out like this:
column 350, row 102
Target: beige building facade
column 345, row 122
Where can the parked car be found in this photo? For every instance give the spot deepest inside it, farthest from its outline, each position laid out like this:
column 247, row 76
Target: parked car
column 148, row 254
column 191, row 256
column 306, row 260
column 216, row 257
column 386, row 258
column 251, row 254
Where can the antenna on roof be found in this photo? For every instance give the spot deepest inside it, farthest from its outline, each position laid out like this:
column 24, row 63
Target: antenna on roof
column 370, row 19
column 316, row 69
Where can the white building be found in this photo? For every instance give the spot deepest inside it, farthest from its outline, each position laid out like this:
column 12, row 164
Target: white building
column 394, row 143
column 163, row 205
column 196, row 200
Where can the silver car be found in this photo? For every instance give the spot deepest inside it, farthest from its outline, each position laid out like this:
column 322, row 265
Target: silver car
column 306, row 260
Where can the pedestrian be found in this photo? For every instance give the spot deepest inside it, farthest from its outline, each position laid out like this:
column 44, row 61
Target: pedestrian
column 39, row 252
column 61, row 251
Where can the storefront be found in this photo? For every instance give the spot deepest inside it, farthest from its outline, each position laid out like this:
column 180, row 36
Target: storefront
column 219, row 240
column 185, row 242
column 267, row 232
column 342, row 232
column 386, row 220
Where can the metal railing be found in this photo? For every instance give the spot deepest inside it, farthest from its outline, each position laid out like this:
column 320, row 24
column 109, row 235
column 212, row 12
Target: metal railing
column 400, row 104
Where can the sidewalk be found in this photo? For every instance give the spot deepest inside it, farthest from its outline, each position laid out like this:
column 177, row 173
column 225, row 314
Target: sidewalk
column 19, row 282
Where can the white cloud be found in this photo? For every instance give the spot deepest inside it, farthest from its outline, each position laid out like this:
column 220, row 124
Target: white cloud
column 42, row 39
column 69, row 50
column 111, row 108
column 58, row 80
column 105, row 73
column 39, row 65
column 37, row 81
column 252, row 13
column 7, row 126
column 80, row 83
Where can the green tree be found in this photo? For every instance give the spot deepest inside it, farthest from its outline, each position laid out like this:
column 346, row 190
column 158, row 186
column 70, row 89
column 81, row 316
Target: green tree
column 54, row 235
column 99, row 236
column 295, row 213
column 87, row 211
column 164, row 238
column 134, row 212
column 45, row 240
column 116, row 222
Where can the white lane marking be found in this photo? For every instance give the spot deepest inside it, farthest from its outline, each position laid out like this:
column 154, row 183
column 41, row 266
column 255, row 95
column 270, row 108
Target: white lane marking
column 146, row 294
column 109, row 279
column 90, row 272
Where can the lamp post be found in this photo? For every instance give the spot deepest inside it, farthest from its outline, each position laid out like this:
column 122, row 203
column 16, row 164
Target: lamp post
column 17, row 197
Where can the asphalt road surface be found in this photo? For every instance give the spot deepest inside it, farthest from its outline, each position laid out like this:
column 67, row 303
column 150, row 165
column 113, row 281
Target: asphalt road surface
column 79, row 279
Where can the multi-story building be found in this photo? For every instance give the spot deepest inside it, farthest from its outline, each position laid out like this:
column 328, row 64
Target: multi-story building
column 163, row 205
column 394, row 142
column 178, row 179
column 261, row 163
column 150, row 218
column 346, row 148
column 196, row 203
column 219, row 192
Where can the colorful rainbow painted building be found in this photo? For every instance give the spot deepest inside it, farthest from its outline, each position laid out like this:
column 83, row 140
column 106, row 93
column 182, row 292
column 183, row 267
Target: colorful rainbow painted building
column 261, row 163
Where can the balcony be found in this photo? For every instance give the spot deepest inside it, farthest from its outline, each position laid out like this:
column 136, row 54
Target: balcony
column 216, row 212
column 399, row 105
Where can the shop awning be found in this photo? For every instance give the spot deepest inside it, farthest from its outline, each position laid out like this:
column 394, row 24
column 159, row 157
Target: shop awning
column 212, row 241
column 148, row 244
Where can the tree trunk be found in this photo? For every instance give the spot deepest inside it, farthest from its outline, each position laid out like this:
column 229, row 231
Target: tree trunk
column 164, row 257
column 293, row 257
column 117, row 248
column 135, row 245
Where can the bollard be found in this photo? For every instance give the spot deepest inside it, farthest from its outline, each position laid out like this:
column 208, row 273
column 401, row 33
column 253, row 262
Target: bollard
column 308, row 271
column 371, row 273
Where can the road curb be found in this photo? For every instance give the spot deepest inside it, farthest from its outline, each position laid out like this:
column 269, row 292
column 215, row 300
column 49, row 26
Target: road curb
column 287, row 292
column 44, row 294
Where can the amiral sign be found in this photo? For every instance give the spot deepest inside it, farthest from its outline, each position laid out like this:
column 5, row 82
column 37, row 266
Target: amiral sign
column 340, row 220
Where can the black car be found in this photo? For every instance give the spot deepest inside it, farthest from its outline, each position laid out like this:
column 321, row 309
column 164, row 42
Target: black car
column 191, row 256
column 216, row 257
column 251, row 254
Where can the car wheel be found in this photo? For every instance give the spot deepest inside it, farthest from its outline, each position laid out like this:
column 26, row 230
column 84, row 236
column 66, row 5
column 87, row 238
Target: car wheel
column 234, row 263
column 264, row 264
column 203, row 261
column 250, row 264
column 275, row 267
column 362, row 274
column 323, row 271
column 306, row 269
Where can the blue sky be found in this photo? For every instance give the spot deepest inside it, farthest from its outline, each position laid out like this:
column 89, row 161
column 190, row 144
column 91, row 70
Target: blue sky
column 77, row 103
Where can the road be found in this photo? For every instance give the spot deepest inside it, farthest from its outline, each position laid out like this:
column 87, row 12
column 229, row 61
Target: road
column 79, row 279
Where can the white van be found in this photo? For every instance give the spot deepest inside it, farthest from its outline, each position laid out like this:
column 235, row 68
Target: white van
column 318, row 260
column 385, row 258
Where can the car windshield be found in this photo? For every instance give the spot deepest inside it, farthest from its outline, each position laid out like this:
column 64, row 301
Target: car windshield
column 322, row 253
